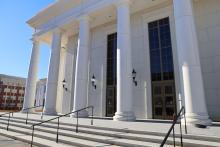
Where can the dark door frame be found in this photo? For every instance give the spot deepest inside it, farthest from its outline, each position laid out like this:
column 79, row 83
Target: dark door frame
column 111, row 75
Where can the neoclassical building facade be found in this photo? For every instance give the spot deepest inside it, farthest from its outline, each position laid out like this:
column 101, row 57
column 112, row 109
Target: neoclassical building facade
column 130, row 59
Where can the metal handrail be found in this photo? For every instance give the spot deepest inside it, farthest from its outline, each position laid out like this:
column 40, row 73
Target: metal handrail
column 26, row 122
column 175, row 118
column 58, row 122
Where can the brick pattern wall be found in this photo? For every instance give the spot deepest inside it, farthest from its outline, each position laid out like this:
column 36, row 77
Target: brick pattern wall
column 11, row 97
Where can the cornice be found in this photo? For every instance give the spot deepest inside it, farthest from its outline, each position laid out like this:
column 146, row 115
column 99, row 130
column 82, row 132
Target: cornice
column 70, row 16
column 51, row 11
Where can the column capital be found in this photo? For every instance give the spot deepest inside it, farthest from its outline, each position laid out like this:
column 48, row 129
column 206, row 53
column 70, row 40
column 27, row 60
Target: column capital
column 64, row 40
column 183, row 8
column 58, row 31
column 35, row 39
column 85, row 18
column 119, row 3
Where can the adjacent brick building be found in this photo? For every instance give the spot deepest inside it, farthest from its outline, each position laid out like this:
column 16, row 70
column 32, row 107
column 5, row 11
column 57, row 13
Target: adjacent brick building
column 11, row 92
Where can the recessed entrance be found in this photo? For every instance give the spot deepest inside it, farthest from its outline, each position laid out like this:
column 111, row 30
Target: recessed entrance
column 162, row 70
column 111, row 86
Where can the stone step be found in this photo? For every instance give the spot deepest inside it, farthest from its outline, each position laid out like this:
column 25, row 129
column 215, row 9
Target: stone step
column 127, row 136
column 122, row 141
column 84, row 136
column 98, row 128
column 85, row 139
column 63, row 140
column 34, row 121
column 40, row 142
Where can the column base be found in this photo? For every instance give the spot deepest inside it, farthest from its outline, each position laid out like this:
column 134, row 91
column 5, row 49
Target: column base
column 81, row 114
column 49, row 111
column 198, row 119
column 124, row 116
column 25, row 111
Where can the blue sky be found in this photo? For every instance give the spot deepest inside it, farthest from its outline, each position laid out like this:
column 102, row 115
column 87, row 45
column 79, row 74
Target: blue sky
column 15, row 34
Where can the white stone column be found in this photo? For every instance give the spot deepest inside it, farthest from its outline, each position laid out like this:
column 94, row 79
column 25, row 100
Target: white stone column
column 67, row 103
column 124, row 66
column 31, row 82
column 82, row 61
column 53, row 74
column 60, row 89
column 189, row 63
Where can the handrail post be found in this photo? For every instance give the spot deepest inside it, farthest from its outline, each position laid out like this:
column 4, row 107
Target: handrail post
column 8, row 120
column 181, row 136
column 92, row 116
column 41, row 117
column 174, row 142
column 185, row 120
column 77, row 122
column 172, row 128
column 58, row 124
column 32, row 138
column 27, row 116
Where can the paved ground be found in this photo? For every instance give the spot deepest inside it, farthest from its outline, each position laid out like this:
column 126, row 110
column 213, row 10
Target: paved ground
column 8, row 142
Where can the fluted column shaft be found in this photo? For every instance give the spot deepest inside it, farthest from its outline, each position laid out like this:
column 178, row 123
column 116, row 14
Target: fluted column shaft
column 53, row 74
column 82, row 61
column 31, row 82
column 189, row 62
column 124, row 67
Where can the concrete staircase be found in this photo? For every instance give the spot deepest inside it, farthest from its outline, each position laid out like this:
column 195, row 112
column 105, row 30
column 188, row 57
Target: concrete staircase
column 96, row 135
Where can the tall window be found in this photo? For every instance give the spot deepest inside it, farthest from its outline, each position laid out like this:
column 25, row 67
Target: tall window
column 161, row 57
column 111, row 59
column 111, row 75
column 162, row 71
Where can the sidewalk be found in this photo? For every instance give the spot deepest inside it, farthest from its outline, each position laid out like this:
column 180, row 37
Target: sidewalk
column 8, row 142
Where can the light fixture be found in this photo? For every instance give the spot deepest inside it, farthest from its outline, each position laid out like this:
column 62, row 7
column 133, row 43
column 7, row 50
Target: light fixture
column 93, row 80
column 64, row 84
column 134, row 73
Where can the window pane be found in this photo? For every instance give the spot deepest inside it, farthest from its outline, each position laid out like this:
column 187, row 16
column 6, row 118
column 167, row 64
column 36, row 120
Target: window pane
column 111, row 59
column 161, row 58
